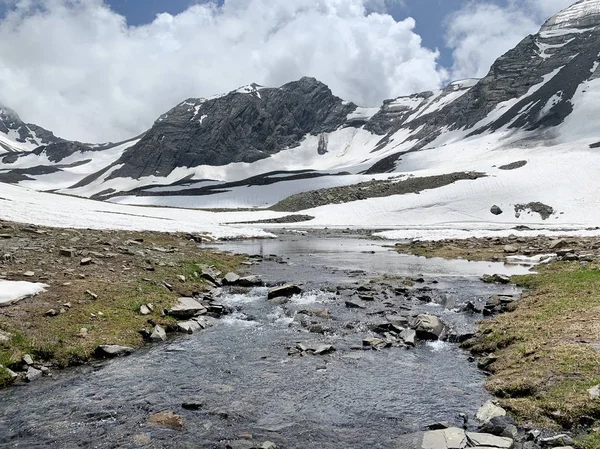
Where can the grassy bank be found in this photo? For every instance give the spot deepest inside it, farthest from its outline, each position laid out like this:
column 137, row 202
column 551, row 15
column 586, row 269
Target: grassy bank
column 122, row 282
column 548, row 350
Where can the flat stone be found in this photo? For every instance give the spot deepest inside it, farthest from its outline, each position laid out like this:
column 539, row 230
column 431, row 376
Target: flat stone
column 354, row 305
column 557, row 441
column 188, row 327
column 453, row 438
column 593, row 392
column 29, row 274
column 111, row 351
column 408, row 336
column 487, row 440
column 230, row 279
column 250, row 281
column 33, row 374
column 285, row 291
column 27, row 359
column 323, row 349
column 85, row 261
column 158, row 334
column 488, row 411
column 187, row 308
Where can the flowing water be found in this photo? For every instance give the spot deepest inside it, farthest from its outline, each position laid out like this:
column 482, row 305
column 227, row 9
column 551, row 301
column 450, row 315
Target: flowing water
column 241, row 372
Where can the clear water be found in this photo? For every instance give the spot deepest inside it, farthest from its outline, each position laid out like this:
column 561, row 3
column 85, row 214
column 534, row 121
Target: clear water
column 240, row 369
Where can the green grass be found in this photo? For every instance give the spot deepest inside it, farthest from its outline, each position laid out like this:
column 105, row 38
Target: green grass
column 547, row 348
column 56, row 339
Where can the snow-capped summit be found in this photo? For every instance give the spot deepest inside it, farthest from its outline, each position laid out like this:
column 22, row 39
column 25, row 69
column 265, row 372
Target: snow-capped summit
column 583, row 14
column 17, row 136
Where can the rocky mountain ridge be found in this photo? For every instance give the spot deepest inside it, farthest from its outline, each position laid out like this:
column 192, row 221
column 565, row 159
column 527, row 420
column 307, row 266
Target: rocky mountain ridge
column 255, row 135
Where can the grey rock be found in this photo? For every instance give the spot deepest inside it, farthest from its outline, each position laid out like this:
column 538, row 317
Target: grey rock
column 453, row 438
column 285, row 291
column 354, row 305
column 230, row 279
column 594, row 392
column 557, row 440
column 187, row 308
column 250, row 281
column 409, row 337
column 488, row 411
column 33, row 374
column 158, row 334
column 502, row 426
column 111, row 351
column 496, row 210
column 487, row 440
column 145, row 310
column 27, row 359
column 189, row 327
column 85, row 261
column 428, row 327
column 210, row 274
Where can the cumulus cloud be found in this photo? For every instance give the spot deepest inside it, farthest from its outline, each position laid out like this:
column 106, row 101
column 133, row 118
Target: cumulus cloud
column 481, row 31
column 77, row 68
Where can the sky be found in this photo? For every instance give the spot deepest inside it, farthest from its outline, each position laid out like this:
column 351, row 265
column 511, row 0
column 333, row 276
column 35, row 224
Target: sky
column 104, row 70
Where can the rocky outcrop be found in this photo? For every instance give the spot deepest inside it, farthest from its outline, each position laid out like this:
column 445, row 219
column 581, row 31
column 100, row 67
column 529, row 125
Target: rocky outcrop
column 24, row 133
column 243, row 126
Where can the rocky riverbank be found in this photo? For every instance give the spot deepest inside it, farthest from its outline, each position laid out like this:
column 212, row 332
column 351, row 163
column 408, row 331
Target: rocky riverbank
column 541, row 352
column 107, row 293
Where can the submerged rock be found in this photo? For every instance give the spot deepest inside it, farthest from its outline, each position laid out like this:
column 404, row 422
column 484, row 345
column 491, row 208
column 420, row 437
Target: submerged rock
column 111, row 351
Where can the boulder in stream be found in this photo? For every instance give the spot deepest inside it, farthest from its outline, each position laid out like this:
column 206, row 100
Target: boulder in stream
column 286, row 291
column 428, row 327
column 111, row 351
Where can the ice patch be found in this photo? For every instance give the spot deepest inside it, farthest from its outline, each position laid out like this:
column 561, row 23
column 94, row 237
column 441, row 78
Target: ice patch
column 14, row 291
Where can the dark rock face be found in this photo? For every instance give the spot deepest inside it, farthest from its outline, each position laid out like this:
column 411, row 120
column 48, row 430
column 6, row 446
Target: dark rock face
column 27, row 133
column 243, row 126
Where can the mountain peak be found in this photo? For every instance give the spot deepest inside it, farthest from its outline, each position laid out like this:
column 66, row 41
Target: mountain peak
column 583, row 14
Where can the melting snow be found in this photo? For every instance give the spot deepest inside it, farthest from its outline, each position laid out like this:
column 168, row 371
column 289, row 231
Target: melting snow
column 13, row 291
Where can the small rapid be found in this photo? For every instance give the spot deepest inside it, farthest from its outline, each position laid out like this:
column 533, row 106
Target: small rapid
column 241, row 373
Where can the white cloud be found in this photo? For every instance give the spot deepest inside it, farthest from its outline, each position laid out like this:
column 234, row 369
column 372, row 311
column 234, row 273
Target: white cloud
column 77, row 68
column 481, row 31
